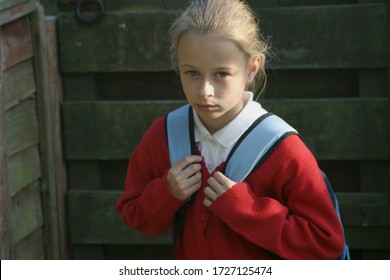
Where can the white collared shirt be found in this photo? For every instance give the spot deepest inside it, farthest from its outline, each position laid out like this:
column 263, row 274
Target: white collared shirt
column 216, row 148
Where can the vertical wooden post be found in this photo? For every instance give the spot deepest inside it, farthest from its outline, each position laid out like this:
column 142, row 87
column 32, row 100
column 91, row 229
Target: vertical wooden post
column 5, row 228
column 49, row 97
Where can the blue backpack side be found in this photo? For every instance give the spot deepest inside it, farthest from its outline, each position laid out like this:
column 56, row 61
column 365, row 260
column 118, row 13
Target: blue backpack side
column 248, row 154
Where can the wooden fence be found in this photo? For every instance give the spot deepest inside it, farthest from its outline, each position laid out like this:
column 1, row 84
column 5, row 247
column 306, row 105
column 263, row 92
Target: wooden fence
column 31, row 169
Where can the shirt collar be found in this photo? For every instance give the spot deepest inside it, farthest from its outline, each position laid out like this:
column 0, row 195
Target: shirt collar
column 230, row 133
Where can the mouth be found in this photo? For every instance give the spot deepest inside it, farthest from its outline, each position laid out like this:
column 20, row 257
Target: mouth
column 207, row 107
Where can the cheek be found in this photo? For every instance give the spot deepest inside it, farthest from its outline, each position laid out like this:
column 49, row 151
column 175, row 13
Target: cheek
column 187, row 88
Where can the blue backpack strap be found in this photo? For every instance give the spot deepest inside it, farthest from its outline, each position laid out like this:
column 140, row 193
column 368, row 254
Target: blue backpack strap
column 180, row 133
column 256, row 142
column 345, row 255
column 180, row 137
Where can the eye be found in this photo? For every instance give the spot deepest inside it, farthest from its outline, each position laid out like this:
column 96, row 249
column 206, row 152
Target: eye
column 192, row 73
column 222, row 75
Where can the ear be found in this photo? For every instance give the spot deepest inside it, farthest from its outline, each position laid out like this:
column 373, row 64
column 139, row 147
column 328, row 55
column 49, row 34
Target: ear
column 253, row 67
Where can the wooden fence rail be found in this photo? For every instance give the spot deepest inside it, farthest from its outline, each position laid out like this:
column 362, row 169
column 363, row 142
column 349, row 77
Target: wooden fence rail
column 333, row 37
column 95, row 220
column 110, row 130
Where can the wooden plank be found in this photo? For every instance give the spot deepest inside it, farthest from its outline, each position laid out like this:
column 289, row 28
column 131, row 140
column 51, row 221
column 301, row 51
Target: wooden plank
column 6, row 250
column 6, row 4
column 32, row 247
column 368, row 238
column 21, row 127
column 339, row 131
column 301, row 37
column 102, row 224
column 19, row 83
column 55, row 95
column 16, row 43
column 111, row 130
column 96, row 120
column 49, row 96
column 367, row 198
column 94, row 220
column 26, row 212
column 23, row 169
column 133, row 48
column 12, row 10
column 366, row 215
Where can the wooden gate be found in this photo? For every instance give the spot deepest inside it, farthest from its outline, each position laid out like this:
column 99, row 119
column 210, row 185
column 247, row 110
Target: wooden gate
column 329, row 78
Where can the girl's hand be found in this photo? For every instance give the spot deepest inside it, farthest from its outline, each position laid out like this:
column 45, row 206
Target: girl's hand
column 218, row 184
column 185, row 177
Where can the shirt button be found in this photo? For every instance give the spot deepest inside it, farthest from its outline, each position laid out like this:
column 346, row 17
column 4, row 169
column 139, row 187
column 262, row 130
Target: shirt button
column 205, row 217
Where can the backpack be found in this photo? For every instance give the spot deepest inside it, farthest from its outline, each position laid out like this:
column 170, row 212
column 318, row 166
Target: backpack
column 250, row 151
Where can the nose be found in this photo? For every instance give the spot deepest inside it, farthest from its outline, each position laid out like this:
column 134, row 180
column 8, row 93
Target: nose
column 207, row 89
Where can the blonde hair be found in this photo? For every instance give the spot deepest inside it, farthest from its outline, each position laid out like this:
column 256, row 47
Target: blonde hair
column 231, row 19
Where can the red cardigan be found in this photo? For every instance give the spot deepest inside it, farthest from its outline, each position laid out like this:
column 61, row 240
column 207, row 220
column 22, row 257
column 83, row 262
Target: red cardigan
column 283, row 207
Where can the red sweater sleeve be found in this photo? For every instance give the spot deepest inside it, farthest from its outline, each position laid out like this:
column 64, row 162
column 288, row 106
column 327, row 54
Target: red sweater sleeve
column 284, row 206
column 147, row 204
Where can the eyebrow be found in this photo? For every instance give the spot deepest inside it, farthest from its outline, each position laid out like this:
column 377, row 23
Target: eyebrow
column 187, row 65
column 218, row 68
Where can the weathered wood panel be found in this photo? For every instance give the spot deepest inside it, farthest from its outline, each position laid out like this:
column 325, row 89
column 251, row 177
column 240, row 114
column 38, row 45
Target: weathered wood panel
column 94, row 219
column 102, row 224
column 9, row 11
column 23, row 168
column 26, row 211
column 92, row 129
column 5, row 228
column 49, row 96
column 374, row 238
column 22, row 129
column 138, row 41
column 5, row 4
column 19, row 83
column 32, row 247
column 16, row 42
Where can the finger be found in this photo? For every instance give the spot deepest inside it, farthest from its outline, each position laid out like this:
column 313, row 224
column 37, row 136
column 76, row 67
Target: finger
column 191, row 170
column 187, row 161
column 216, row 186
column 194, row 179
column 184, row 192
column 223, row 180
column 191, row 190
column 210, row 193
column 207, row 202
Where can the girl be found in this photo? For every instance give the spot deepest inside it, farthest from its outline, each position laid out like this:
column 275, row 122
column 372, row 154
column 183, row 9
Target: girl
column 282, row 208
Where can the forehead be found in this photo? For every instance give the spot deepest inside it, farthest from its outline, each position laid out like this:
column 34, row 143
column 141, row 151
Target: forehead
column 197, row 49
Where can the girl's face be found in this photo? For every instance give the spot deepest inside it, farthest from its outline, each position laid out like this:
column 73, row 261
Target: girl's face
column 214, row 73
